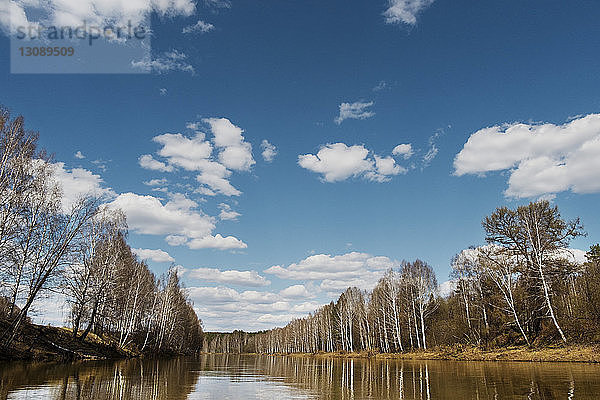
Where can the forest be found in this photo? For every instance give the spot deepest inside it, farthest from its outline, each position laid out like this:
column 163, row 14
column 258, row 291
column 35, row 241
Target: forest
column 81, row 252
column 523, row 287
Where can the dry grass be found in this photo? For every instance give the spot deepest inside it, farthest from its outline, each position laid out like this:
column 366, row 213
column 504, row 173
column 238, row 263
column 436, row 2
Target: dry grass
column 573, row 353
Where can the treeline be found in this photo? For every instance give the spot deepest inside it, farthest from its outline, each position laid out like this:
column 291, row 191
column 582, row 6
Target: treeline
column 236, row 342
column 80, row 251
column 522, row 287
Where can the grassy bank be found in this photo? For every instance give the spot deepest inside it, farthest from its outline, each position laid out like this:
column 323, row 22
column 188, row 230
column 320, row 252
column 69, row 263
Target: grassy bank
column 49, row 343
column 574, row 353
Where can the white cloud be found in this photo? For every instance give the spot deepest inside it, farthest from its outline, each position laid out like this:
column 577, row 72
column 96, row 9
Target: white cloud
column 216, row 180
column 296, row 292
column 235, row 152
column 404, row 150
column 157, row 255
column 446, row 288
column 385, row 168
column 405, row 11
column 338, row 162
column 269, row 151
column 232, row 277
column 176, row 240
column 147, row 215
column 79, row 182
column 337, row 272
column 196, row 154
column 173, row 60
column 576, row 256
column 216, row 242
column 148, row 162
column 156, row 182
column 306, row 307
column 79, row 155
column 356, row 110
column 190, row 154
column 15, row 13
column 541, row 159
column 433, row 150
column 50, row 308
column 178, row 220
column 224, row 308
column 200, row 26
column 227, row 214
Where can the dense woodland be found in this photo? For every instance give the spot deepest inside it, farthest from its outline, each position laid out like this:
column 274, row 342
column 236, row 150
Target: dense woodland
column 522, row 288
column 80, row 251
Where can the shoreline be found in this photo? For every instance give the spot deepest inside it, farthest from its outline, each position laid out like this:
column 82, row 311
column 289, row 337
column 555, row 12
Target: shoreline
column 568, row 354
column 56, row 344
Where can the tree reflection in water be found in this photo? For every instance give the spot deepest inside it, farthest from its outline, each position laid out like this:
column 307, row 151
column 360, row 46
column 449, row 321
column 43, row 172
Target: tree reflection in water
column 247, row 376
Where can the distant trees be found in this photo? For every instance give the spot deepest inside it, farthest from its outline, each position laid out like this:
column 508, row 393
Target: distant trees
column 82, row 252
column 394, row 316
column 524, row 286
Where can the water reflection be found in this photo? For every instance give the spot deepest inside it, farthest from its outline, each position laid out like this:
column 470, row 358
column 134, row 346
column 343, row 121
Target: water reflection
column 265, row 377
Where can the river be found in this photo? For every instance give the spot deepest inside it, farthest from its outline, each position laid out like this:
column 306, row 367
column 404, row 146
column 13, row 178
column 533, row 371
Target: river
column 285, row 377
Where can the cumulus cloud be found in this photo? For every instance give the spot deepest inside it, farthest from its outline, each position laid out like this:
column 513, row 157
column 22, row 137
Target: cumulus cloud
column 405, row 11
column 200, row 26
column 178, row 219
column 404, row 150
column 148, row 162
column 157, row 255
column 232, row 277
column 385, row 167
column 216, row 242
column 224, row 308
column 269, row 151
column 79, row 155
column 338, row 162
column 188, row 153
column 235, row 153
column 15, row 13
column 173, row 60
column 296, row 292
column 356, row 110
column 214, row 160
column 324, row 277
column 227, row 214
column 542, row 159
column 78, row 182
column 337, row 272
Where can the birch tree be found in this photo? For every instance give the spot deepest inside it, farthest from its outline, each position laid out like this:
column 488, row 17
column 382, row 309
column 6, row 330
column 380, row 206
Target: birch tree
column 536, row 233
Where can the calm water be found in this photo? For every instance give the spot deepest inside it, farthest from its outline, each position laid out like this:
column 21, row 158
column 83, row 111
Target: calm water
column 281, row 378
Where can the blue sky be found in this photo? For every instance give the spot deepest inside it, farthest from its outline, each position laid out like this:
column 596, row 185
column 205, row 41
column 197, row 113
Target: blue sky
column 335, row 87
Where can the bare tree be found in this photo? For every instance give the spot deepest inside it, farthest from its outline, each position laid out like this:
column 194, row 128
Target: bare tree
column 503, row 269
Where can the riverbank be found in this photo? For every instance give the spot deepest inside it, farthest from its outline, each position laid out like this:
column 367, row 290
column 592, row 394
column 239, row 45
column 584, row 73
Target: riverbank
column 571, row 353
column 49, row 343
